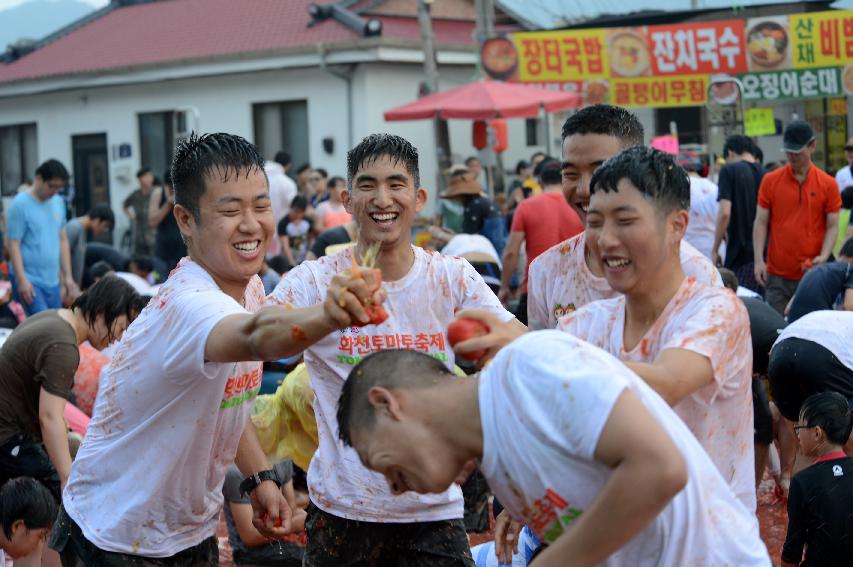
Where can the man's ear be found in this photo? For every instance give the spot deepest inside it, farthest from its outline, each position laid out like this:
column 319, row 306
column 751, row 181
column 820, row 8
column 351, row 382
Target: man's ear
column 18, row 526
column 184, row 218
column 421, row 196
column 347, row 201
column 679, row 220
column 384, row 402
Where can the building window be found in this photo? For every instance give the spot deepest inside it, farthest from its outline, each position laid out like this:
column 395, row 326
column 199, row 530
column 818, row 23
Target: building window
column 157, row 140
column 531, row 128
column 18, row 160
column 282, row 126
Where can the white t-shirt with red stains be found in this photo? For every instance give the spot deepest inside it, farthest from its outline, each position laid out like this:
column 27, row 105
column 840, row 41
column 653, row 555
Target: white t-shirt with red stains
column 166, row 424
column 544, row 402
column 420, row 306
column 560, row 280
column 713, row 323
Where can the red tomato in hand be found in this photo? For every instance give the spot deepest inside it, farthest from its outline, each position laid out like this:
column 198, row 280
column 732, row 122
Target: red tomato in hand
column 463, row 329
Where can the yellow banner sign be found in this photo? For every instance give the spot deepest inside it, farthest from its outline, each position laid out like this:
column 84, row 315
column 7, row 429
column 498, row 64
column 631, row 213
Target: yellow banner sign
column 821, row 39
column 685, row 90
column 759, row 122
column 562, row 55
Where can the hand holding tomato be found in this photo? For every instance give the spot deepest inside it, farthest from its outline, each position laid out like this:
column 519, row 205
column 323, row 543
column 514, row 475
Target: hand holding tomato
column 480, row 334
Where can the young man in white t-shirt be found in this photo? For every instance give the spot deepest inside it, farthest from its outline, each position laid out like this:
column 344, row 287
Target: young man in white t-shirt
column 690, row 342
column 353, row 518
column 172, row 410
column 572, row 442
column 566, row 276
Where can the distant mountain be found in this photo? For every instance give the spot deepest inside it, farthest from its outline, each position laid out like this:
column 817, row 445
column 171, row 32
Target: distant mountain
column 38, row 18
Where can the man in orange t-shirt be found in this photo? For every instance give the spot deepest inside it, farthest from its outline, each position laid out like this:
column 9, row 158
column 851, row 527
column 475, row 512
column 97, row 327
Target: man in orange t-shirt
column 541, row 221
column 800, row 203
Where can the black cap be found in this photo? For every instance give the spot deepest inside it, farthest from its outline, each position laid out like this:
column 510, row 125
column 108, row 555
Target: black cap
column 798, row 134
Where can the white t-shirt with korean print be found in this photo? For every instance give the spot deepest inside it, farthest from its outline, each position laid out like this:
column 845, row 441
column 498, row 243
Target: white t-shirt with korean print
column 420, row 306
column 166, row 424
column 560, row 280
column 713, row 323
column 544, row 402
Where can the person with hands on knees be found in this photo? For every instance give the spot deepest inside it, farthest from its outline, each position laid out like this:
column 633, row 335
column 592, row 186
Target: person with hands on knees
column 353, row 518
column 571, row 441
column 178, row 393
column 821, row 496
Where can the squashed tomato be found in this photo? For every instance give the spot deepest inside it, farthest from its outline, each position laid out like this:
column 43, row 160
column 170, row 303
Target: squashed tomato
column 464, row 328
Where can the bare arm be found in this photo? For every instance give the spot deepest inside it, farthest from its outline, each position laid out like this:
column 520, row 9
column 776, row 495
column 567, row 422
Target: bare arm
column 156, row 213
column 848, row 300
column 759, row 240
column 724, row 215
column 55, row 433
column 277, row 332
column 675, row 374
column 271, row 514
column 68, row 284
column 510, row 263
column 25, row 289
column 829, row 238
column 634, row 444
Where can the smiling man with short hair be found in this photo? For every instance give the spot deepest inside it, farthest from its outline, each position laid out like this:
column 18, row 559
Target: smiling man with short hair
column 353, row 518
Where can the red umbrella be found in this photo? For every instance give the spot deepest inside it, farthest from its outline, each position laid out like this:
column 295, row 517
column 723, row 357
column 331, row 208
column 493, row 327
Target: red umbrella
column 483, row 100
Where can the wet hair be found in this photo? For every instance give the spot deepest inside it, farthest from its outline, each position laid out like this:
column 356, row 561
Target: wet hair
column 391, row 369
column 198, row 157
column 52, row 169
column 549, row 172
column 847, row 248
column 102, row 211
column 111, row 297
column 282, row 158
column 143, row 263
column 330, row 184
column 607, row 120
column 654, row 173
column 26, row 499
column 729, row 278
column 831, row 412
column 847, row 197
column 374, row 146
column 167, row 178
column 738, row 144
column 142, row 172
column 300, row 203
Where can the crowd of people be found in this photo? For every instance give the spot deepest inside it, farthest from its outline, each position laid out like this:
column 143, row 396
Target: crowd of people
column 652, row 341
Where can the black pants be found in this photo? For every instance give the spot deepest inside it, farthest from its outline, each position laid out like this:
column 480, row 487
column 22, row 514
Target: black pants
column 21, row 456
column 799, row 368
column 76, row 551
column 338, row 542
column 762, row 418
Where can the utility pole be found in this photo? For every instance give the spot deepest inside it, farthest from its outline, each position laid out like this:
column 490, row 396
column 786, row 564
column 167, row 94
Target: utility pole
column 442, row 134
column 485, row 29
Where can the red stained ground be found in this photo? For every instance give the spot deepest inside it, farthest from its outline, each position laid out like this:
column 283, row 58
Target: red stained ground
column 772, row 518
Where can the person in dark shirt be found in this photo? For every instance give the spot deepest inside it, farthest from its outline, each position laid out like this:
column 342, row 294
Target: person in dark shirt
column 169, row 246
column 738, row 196
column 480, row 215
column 821, row 497
column 338, row 235
column 37, row 365
column 823, row 286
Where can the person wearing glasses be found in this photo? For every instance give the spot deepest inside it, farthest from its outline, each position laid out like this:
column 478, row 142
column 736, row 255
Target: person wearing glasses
column 821, row 496
column 38, row 246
